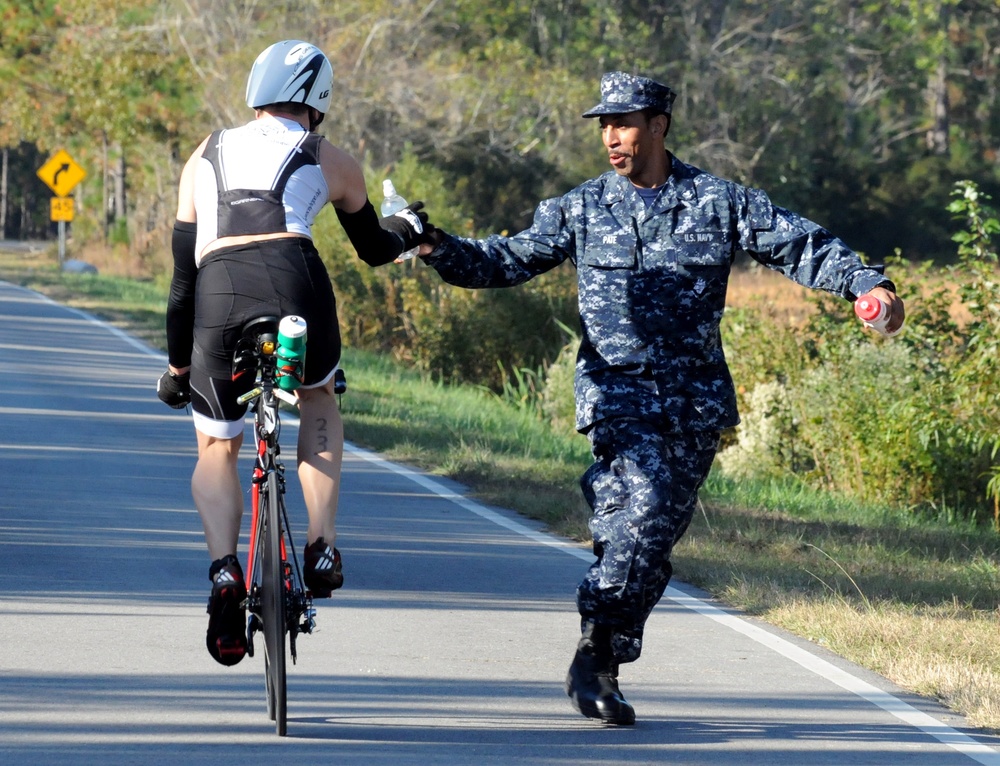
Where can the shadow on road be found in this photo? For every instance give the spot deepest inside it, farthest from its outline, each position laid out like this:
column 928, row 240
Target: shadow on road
column 394, row 721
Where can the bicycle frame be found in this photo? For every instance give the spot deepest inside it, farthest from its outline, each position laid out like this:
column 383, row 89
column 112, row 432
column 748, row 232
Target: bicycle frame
column 277, row 601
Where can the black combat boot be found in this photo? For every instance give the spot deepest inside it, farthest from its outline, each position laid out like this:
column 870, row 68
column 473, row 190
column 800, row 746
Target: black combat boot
column 592, row 681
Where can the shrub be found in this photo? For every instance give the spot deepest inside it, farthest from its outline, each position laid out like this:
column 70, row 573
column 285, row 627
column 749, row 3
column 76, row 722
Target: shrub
column 558, row 399
column 766, row 436
column 910, row 420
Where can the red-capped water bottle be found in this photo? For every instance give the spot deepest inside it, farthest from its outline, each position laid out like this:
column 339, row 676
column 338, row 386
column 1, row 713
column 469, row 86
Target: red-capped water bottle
column 874, row 312
column 291, row 352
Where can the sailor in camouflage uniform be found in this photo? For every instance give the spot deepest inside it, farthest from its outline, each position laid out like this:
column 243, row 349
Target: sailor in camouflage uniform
column 653, row 243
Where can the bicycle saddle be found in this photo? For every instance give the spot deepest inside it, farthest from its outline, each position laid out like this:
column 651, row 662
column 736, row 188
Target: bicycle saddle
column 254, row 332
column 256, row 328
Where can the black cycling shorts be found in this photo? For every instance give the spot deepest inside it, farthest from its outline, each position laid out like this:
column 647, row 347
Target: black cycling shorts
column 277, row 277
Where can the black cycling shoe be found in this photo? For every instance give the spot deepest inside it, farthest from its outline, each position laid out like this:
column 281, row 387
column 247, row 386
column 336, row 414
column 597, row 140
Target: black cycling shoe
column 227, row 617
column 323, row 571
column 592, row 681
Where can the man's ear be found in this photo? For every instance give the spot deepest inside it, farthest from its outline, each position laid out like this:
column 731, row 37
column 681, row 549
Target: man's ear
column 660, row 125
column 315, row 118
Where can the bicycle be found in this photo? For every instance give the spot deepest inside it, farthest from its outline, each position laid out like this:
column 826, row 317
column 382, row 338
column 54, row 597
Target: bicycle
column 278, row 603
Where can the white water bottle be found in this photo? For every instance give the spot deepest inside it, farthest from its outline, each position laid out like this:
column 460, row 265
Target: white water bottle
column 392, row 203
column 874, row 313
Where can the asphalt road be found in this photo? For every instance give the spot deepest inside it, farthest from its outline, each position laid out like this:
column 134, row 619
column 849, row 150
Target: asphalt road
column 448, row 644
column 26, row 246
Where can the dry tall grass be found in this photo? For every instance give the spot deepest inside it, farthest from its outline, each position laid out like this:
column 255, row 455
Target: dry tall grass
column 752, row 285
column 947, row 652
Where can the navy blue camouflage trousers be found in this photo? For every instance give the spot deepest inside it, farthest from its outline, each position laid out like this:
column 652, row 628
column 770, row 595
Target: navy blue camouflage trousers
column 643, row 490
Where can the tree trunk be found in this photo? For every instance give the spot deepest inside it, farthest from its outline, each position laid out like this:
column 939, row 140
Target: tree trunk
column 116, row 212
column 937, row 89
column 937, row 94
column 121, row 219
column 3, row 195
column 106, row 211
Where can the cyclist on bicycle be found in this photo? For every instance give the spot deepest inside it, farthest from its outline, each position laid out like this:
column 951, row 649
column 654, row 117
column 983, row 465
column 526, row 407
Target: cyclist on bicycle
column 242, row 249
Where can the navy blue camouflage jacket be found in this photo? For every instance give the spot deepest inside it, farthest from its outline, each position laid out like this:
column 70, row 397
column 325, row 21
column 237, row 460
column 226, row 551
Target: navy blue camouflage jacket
column 652, row 285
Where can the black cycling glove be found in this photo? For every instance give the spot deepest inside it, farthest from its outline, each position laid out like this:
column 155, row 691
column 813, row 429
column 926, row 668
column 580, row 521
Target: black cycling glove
column 174, row 390
column 410, row 225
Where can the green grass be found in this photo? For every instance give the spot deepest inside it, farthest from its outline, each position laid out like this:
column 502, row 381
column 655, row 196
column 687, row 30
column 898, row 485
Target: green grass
column 914, row 599
column 507, row 455
column 135, row 305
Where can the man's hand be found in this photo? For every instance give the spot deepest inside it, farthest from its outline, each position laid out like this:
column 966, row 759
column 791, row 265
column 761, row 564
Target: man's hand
column 434, row 238
column 174, row 389
column 897, row 313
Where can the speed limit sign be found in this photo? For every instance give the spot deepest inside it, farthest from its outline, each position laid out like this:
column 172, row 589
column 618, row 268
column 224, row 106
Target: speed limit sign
column 62, row 208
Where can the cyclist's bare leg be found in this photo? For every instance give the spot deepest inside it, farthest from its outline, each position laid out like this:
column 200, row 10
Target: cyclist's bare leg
column 215, row 486
column 321, row 452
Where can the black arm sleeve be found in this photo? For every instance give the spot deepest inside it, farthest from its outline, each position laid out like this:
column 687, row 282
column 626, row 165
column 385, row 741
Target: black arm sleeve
column 180, row 304
column 374, row 245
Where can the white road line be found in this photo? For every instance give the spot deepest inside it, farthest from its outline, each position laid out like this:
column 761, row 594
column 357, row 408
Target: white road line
column 121, row 334
column 903, row 711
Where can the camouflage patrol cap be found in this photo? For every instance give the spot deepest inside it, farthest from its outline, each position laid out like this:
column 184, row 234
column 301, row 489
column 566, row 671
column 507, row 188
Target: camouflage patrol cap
column 622, row 93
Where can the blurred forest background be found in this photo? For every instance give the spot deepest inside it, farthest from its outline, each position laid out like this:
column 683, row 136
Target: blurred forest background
column 864, row 116
column 858, row 114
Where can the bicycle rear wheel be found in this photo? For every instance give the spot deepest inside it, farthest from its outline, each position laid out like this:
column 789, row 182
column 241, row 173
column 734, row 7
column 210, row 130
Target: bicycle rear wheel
column 273, row 604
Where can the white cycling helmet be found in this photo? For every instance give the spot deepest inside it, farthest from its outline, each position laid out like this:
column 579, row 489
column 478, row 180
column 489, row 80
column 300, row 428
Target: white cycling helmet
column 291, row 71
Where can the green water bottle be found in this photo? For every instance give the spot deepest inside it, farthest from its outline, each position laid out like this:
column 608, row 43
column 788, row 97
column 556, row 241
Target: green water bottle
column 291, row 352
